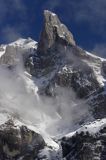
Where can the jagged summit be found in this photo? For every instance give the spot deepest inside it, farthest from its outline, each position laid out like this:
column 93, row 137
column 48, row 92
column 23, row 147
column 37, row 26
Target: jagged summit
column 53, row 32
column 49, row 90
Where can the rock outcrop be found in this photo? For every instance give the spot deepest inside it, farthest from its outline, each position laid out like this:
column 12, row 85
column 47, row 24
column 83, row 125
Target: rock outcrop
column 53, row 32
column 11, row 56
column 74, row 67
column 17, row 52
column 19, row 141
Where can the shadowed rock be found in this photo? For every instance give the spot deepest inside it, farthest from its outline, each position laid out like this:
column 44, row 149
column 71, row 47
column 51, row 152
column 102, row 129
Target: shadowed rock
column 53, row 31
column 19, row 141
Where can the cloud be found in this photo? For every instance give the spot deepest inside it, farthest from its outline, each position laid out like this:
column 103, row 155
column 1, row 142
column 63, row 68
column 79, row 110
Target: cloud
column 19, row 5
column 10, row 34
column 3, row 10
column 52, row 5
column 8, row 8
column 55, row 114
column 100, row 50
column 13, row 15
column 92, row 12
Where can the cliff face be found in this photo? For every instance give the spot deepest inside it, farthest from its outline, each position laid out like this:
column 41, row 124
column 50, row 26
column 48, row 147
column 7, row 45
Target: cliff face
column 53, row 32
column 56, row 61
column 19, row 141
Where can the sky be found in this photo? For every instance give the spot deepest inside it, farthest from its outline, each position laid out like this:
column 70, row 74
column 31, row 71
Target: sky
column 86, row 19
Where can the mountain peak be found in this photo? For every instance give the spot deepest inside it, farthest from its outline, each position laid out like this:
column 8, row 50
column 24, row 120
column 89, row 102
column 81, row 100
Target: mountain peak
column 49, row 12
column 53, row 31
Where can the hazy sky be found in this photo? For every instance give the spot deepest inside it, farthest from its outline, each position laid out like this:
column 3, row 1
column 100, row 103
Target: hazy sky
column 86, row 19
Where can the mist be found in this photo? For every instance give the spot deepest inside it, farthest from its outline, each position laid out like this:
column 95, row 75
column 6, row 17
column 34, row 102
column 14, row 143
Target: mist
column 54, row 115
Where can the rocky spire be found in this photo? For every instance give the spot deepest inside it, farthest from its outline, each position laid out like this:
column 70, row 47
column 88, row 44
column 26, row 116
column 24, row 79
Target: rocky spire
column 53, row 31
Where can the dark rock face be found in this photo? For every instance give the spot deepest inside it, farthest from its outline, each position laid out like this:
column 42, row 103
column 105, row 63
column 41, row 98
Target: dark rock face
column 98, row 103
column 54, row 39
column 84, row 146
column 79, row 80
column 104, row 67
column 53, row 32
column 16, row 142
column 56, row 50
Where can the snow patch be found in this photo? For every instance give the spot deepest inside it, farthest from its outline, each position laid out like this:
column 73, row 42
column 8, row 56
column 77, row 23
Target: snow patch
column 92, row 128
column 94, row 56
column 4, row 117
column 24, row 42
column 2, row 49
column 96, row 65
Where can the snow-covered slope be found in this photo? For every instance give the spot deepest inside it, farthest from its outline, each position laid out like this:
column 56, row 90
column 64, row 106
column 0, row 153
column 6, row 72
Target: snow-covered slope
column 93, row 128
column 41, row 120
column 25, row 43
column 96, row 64
column 2, row 49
